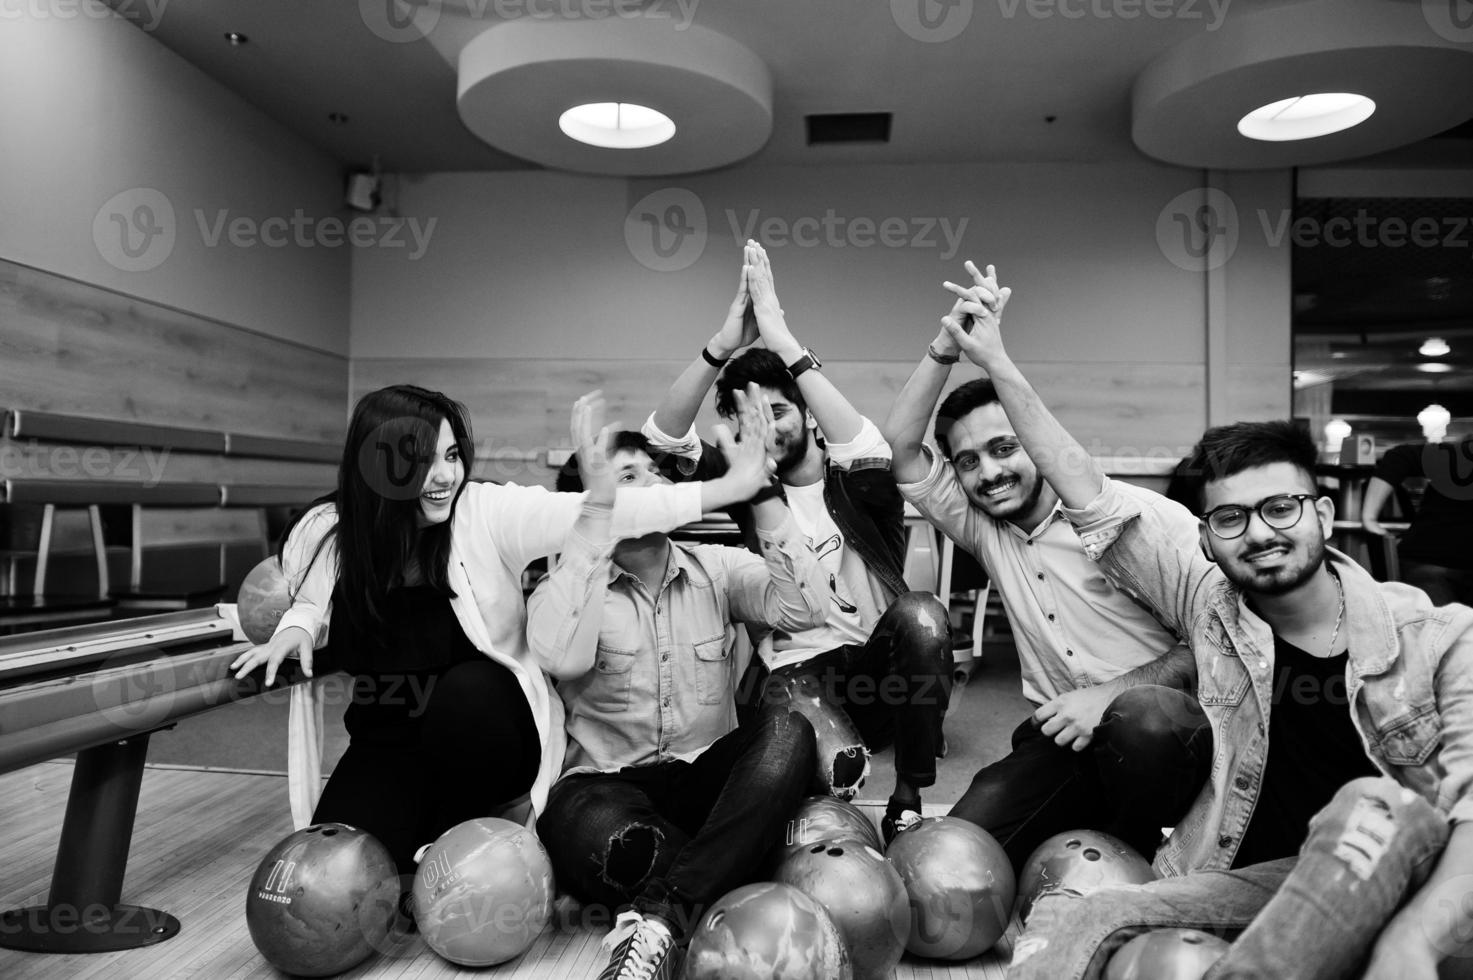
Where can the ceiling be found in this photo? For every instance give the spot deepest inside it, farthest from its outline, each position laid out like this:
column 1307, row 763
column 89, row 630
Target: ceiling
column 981, row 80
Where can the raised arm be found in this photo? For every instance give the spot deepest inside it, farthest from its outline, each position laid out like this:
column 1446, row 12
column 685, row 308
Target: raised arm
column 835, row 416
column 1074, row 475
column 676, row 412
column 905, row 428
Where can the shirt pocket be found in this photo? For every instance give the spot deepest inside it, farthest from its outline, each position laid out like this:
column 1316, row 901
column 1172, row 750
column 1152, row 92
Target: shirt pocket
column 713, row 670
column 611, row 679
column 1225, row 680
column 1410, row 739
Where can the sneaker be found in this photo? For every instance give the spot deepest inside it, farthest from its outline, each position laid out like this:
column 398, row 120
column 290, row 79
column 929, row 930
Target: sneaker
column 891, row 826
column 642, row 950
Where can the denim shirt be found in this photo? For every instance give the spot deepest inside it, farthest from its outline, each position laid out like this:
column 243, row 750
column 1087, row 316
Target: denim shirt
column 649, row 678
column 1409, row 676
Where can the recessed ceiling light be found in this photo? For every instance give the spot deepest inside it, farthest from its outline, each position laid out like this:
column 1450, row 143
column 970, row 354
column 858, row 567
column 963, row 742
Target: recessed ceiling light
column 1434, row 347
column 1306, row 116
column 1435, row 367
column 236, row 38
column 617, row 125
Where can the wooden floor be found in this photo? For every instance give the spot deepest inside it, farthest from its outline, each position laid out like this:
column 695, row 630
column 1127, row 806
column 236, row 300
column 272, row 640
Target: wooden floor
column 198, row 837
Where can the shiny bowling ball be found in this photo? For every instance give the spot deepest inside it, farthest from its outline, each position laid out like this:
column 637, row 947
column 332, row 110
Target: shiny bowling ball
column 826, row 818
column 322, row 900
column 767, row 931
column 483, row 892
column 1166, row 954
column 960, row 886
column 264, row 597
column 1077, row 863
column 863, row 895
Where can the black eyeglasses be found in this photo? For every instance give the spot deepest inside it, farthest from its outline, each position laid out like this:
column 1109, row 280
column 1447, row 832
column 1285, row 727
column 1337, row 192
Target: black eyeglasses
column 1280, row 512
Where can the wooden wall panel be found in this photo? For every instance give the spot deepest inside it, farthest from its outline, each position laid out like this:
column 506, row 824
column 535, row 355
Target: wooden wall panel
column 77, row 349
column 520, row 407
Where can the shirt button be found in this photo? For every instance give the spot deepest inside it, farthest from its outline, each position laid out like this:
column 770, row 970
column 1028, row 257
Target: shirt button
column 1040, row 576
column 667, row 702
column 1263, row 665
column 664, row 657
column 1224, row 841
column 1068, row 653
column 1050, row 617
column 1260, row 728
column 1242, row 782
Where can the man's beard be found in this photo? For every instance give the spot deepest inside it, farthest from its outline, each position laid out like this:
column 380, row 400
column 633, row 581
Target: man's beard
column 1276, row 581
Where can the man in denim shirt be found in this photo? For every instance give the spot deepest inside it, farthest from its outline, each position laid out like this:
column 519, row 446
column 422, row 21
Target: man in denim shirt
column 1312, row 673
column 884, row 655
column 665, row 803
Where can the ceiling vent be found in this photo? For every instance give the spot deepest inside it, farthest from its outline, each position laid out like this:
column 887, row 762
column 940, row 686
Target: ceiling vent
column 848, row 127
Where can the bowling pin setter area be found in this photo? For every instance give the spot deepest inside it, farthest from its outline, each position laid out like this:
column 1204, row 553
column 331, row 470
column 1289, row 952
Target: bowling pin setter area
column 199, row 839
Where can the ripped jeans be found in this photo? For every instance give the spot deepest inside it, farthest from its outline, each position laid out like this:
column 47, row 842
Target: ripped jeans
column 1311, row 917
column 672, row 837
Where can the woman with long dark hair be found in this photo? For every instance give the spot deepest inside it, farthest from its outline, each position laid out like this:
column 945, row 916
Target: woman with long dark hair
column 411, row 575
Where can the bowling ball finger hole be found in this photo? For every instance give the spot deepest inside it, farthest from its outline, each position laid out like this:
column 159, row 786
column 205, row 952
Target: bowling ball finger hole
column 815, row 849
column 330, row 832
column 836, row 852
column 1192, row 940
column 1090, row 854
column 1074, row 844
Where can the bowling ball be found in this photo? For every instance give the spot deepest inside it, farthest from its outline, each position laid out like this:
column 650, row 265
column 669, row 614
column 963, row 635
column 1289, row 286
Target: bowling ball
column 1166, row 954
column 843, row 760
column 767, row 931
column 960, row 886
column 1079, row 862
column 483, row 892
column 322, row 900
column 264, row 597
column 863, row 895
column 826, row 818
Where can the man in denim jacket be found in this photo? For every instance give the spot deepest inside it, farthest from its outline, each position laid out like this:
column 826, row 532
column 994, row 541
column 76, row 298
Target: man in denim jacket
column 884, row 655
column 1378, row 886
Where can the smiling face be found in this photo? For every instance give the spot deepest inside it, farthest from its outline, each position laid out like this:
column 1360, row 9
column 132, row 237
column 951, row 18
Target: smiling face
column 790, row 434
column 997, row 475
column 1263, row 559
column 634, row 468
column 443, row 481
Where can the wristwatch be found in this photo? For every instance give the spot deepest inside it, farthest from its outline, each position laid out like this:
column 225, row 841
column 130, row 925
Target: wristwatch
column 808, row 360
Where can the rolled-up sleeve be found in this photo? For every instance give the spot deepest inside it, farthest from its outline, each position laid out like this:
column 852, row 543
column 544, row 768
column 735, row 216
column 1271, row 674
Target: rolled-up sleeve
column 565, row 613
column 1148, row 545
column 941, row 500
column 784, row 588
column 688, row 445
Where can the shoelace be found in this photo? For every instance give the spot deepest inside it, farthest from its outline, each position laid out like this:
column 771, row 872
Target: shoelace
column 646, row 947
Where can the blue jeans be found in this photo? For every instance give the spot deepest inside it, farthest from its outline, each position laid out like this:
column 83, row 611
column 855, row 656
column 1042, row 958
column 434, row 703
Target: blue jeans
column 1312, row 916
column 672, row 837
column 1149, row 757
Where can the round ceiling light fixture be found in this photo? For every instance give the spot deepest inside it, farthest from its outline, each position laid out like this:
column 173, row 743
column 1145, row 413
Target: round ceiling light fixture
column 616, row 125
column 1304, row 117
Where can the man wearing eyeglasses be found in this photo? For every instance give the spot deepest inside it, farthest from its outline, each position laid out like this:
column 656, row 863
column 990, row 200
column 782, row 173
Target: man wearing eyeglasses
column 1334, row 838
column 1115, row 743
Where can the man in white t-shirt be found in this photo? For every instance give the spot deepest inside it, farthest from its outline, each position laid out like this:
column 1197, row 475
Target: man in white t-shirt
column 884, row 655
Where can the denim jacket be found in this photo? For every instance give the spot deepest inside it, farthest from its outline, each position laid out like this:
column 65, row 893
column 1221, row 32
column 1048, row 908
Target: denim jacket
column 1409, row 678
column 861, row 495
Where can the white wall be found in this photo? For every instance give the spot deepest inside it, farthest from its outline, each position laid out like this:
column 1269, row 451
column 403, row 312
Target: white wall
column 537, row 265
column 95, row 107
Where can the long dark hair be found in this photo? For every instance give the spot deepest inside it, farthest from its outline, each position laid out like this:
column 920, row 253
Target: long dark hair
column 386, row 458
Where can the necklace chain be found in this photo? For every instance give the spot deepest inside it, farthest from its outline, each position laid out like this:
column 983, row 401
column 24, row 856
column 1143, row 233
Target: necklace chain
column 1339, row 617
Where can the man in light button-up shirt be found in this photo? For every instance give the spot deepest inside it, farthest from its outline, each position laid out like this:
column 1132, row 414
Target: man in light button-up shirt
column 1102, row 672
column 666, row 803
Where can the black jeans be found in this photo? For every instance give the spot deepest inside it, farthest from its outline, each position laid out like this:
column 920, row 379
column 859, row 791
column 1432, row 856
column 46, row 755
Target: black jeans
column 1149, row 757
column 895, row 686
column 672, row 837
column 428, row 755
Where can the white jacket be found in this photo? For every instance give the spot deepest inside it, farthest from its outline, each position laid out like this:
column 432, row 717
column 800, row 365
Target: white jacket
column 498, row 530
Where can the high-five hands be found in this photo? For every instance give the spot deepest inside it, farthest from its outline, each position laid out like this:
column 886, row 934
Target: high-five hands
column 749, row 464
column 740, row 327
column 973, row 327
column 770, row 322
column 591, row 438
